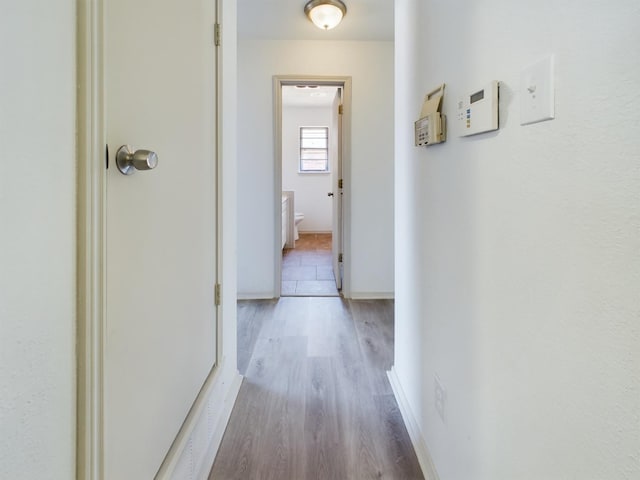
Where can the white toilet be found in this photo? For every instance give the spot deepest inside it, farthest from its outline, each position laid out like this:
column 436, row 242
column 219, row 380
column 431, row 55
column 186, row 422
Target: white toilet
column 298, row 218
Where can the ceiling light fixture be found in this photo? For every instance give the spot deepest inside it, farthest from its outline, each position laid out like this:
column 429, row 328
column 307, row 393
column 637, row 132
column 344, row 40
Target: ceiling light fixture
column 325, row 14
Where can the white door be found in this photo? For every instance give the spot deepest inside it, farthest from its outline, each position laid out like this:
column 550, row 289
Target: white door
column 160, row 332
column 336, row 185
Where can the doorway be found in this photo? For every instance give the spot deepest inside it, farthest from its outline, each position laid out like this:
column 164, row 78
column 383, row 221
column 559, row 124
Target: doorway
column 311, row 159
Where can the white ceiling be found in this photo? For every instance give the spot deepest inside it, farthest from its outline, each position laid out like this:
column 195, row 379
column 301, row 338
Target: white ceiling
column 285, row 20
column 318, row 96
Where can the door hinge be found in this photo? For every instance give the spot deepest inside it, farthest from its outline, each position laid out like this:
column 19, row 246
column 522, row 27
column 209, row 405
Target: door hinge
column 340, row 109
column 340, row 257
column 216, row 294
column 216, row 34
column 340, row 183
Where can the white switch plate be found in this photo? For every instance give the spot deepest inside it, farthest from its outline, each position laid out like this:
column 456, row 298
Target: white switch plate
column 537, row 97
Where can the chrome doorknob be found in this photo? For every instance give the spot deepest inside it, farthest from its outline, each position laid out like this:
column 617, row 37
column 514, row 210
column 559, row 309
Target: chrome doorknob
column 128, row 160
column 330, row 194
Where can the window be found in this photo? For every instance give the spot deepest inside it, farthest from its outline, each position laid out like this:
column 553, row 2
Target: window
column 314, row 149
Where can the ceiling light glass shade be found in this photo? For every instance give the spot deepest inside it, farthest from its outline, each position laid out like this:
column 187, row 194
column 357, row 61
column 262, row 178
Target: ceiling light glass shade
column 325, row 14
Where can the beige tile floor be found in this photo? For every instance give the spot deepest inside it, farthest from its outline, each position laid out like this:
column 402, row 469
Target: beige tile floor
column 307, row 269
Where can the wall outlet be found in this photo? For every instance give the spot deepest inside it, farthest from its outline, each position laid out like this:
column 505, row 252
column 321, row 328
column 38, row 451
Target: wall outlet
column 440, row 397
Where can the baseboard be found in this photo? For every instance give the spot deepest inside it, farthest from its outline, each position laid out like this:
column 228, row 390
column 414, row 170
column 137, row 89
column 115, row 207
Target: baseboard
column 372, row 295
column 354, row 296
column 420, row 447
column 195, row 447
column 218, row 433
column 255, row 296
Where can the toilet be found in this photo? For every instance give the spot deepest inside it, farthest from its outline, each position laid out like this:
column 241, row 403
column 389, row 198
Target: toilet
column 298, row 218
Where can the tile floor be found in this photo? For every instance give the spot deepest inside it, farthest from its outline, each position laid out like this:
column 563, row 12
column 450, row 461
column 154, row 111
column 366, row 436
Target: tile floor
column 307, row 269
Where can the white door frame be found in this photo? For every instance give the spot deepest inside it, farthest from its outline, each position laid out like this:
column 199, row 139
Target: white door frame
column 91, row 244
column 91, row 241
column 333, row 81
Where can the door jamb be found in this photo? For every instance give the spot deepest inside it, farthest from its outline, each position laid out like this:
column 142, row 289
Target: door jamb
column 339, row 81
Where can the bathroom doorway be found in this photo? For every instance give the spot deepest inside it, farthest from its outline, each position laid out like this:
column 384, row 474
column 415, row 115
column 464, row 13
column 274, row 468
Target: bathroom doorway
column 311, row 143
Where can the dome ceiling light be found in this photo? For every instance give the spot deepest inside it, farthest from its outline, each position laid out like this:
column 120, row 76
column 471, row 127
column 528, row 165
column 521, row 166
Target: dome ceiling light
column 325, row 14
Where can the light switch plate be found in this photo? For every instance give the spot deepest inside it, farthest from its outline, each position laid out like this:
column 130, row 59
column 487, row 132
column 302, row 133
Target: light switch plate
column 537, row 96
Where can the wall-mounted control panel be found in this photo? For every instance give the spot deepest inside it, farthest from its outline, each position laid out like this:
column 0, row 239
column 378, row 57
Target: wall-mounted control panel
column 431, row 127
column 478, row 111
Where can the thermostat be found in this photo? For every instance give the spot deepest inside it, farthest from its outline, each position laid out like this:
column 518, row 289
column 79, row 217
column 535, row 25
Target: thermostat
column 478, row 111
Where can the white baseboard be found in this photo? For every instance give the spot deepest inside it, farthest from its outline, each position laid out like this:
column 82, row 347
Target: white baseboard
column 372, row 295
column 255, row 296
column 354, row 296
column 193, row 451
column 218, row 432
column 420, row 447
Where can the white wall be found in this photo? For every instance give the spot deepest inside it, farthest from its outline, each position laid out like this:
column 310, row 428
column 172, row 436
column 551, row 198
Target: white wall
column 518, row 252
column 370, row 64
column 37, row 243
column 310, row 188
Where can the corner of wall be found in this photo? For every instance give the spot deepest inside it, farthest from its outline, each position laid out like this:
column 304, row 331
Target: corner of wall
column 413, row 428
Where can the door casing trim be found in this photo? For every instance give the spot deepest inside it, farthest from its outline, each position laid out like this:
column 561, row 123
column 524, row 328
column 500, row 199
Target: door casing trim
column 338, row 81
column 91, row 153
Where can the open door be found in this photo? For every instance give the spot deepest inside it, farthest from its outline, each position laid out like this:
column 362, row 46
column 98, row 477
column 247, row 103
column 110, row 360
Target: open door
column 337, row 185
column 340, row 209
column 160, row 329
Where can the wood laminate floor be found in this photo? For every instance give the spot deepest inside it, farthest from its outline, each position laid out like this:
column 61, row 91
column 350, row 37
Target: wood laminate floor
column 315, row 402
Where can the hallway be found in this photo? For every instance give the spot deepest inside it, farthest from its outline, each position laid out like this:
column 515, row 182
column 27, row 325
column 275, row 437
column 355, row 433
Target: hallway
column 315, row 402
